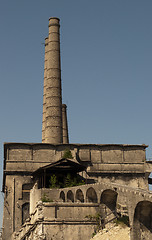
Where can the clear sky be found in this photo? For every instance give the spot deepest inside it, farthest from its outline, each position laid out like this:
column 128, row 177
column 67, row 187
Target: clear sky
column 106, row 56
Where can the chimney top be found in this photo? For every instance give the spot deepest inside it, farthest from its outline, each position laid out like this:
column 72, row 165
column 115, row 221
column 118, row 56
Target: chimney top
column 54, row 18
column 64, row 105
column 53, row 21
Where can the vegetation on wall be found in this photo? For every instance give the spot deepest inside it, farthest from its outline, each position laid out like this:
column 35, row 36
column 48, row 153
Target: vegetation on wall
column 123, row 220
column 45, row 198
column 98, row 219
column 67, row 154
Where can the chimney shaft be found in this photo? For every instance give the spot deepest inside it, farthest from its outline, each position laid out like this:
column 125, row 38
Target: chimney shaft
column 65, row 124
column 44, row 92
column 53, row 129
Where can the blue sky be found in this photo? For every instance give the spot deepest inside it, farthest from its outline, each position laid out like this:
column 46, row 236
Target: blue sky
column 106, row 61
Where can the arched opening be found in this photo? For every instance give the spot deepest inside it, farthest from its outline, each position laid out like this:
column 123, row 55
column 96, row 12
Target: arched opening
column 25, row 212
column 91, row 195
column 150, row 182
column 142, row 225
column 109, row 198
column 108, row 204
column 79, row 196
column 70, row 196
column 62, row 196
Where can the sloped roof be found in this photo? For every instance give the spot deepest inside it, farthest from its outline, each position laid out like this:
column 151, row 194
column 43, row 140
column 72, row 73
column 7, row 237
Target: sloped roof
column 62, row 165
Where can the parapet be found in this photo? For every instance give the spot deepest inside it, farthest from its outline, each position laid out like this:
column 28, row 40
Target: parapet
column 25, row 158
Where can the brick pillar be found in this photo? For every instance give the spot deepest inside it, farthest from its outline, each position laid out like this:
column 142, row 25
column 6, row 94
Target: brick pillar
column 53, row 132
column 44, row 92
column 65, row 124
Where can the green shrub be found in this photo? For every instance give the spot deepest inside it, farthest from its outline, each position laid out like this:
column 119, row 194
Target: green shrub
column 71, row 181
column 67, row 154
column 97, row 218
column 53, row 181
column 68, row 181
column 93, row 234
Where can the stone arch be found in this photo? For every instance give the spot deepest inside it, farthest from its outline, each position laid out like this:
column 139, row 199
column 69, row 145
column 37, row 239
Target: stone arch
column 91, row 195
column 62, row 196
column 150, row 180
column 109, row 197
column 70, row 196
column 25, row 211
column 142, row 222
column 108, row 202
column 79, row 195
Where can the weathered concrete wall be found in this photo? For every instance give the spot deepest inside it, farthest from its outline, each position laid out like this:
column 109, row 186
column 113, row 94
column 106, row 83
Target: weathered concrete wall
column 69, row 211
column 70, row 231
column 103, row 198
column 21, row 160
column 37, row 195
column 98, row 158
column 61, row 230
column 13, row 202
column 59, row 221
column 128, row 196
column 8, row 208
column 116, row 163
column 135, row 180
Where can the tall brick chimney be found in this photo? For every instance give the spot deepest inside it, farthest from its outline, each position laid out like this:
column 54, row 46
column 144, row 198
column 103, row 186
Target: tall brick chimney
column 54, row 123
column 65, row 124
column 53, row 117
column 44, row 92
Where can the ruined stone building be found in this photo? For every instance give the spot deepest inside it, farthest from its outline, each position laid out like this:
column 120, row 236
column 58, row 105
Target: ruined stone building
column 54, row 189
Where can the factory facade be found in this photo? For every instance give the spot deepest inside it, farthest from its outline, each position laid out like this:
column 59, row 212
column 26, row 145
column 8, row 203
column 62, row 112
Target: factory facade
column 52, row 187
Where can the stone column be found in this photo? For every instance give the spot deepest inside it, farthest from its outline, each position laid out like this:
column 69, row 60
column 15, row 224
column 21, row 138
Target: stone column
column 53, row 132
column 44, row 92
column 65, row 124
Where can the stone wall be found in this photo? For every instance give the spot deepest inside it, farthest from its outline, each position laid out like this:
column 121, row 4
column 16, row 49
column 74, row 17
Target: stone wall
column 13, row 202
column 101, row 157
column 65, row 215
column 121, row 164
column 59, row 221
